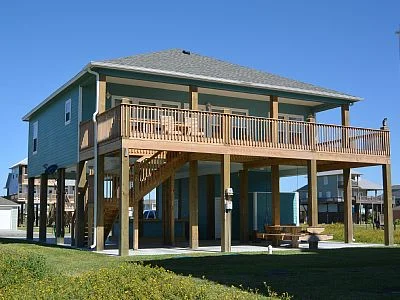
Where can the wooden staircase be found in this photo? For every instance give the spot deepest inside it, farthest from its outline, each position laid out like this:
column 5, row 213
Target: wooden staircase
column 152, row 171
column 146, row 174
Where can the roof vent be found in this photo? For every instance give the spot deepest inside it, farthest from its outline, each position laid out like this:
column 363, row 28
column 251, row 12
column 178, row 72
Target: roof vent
column 186, row 52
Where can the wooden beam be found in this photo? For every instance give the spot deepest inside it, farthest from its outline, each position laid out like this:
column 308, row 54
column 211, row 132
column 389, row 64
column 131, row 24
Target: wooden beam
column 193, row 205
column 210, row 207
column 81, row 187
column 102, row 93
column 30, row 208
column 221, row 149
column 348, row 211
column 123, row 247
column 171, row 212
column 345, row 114
column 267, row 162
column 225, row 215
column 43, row 208
column 312, row 193
column 388, row 202
column 330, row 166
column 164, row 213
column 100, row 204
column 193, row 98
column 273, row 107
column 60, row 206
column 244, row 205
column 276, row 203
column 168, row 216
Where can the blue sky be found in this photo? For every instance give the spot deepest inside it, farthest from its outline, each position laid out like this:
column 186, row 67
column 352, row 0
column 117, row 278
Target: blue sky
column 345, row 45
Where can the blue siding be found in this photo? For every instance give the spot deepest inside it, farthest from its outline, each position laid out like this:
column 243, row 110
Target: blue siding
column 259, row 181
column 255, row 107
column 88, row 101
column 57, row 142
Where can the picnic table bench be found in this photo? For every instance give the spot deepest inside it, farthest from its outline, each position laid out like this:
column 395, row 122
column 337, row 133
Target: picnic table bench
column 280, row 233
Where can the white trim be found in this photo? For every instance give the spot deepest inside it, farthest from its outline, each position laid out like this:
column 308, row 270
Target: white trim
column 35, row 134
column 136, row 101
column 79, row 121
column 68, row 109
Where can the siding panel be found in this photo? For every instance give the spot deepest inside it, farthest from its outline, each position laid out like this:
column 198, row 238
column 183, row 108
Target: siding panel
column 57, row 142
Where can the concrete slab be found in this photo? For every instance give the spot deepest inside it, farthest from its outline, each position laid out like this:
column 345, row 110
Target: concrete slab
column 212, row 246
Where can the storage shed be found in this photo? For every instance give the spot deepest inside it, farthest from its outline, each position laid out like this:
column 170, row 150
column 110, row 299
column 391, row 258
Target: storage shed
column 8, row 214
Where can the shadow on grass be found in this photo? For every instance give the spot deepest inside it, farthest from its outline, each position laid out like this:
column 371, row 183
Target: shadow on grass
column 331, row 274
column 29, row 242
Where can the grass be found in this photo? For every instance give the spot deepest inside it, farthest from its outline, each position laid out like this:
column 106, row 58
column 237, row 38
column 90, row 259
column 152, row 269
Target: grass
column 362, row 233
column 353, row 273
column 73, row 274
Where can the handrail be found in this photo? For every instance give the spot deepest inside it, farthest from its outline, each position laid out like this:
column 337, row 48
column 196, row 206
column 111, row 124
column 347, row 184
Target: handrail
column 182, row 125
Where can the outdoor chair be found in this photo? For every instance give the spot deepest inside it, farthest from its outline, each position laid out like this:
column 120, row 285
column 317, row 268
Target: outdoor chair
column 192, row 126
column 168, row 125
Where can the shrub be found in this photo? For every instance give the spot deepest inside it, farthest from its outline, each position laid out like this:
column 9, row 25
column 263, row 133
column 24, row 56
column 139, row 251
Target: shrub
column 128, row 281
column 21, row 266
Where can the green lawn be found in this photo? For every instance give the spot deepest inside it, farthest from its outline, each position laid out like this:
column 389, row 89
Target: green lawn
column 363, row 273
column 362, row 233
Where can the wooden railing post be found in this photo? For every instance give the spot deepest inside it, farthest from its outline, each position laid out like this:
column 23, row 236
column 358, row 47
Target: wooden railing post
column 345, row 124
column 273, row 113
column 226, row 126
column 311, row 132
column 385, row 138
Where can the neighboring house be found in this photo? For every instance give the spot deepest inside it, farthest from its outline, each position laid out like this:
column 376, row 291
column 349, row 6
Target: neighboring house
column 17, row 190
column 192, row 127
column 8, row 214
column 366, row 198
column 396, row 193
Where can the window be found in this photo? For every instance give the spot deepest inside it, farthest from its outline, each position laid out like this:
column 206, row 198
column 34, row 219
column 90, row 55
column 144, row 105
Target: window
column 35, row 137
column 328, row 194
column 319, row 194
column 67, row 111
column 325, row 180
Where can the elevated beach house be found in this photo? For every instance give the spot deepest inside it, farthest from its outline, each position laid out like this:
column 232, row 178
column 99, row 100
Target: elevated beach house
column 205, row 134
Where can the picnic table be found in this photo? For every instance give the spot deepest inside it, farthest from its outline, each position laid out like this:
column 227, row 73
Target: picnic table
column 278, row 233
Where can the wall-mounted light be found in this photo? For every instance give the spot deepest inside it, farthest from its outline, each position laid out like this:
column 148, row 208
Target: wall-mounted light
column 108, row 95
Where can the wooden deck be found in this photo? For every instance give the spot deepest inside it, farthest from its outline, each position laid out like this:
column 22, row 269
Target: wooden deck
column 159, row 128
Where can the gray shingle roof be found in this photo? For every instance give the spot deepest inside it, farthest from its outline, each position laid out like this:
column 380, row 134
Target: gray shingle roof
column 194, row 66
column 6, row 202
column 176, row 62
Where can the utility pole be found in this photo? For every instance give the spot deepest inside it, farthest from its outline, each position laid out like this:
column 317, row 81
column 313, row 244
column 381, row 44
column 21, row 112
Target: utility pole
column 398, row 34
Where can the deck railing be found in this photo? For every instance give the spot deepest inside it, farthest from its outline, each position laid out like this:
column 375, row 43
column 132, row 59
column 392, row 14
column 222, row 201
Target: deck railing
column 180, row 125
column 86, row 135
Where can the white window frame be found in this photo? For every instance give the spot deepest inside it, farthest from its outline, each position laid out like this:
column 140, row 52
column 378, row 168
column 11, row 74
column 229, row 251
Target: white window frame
column 328, row 194
column 221, row 109
column 67, row 111
column 145, row 101
column 319, row 194
column 35, row 129
column 326, row 180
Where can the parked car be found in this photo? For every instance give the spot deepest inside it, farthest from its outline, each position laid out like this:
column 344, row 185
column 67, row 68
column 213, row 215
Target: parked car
column 149, row 214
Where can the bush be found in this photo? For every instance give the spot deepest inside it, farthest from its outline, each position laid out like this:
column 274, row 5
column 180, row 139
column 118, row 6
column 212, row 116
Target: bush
column 128, row 281
column 21, row 266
